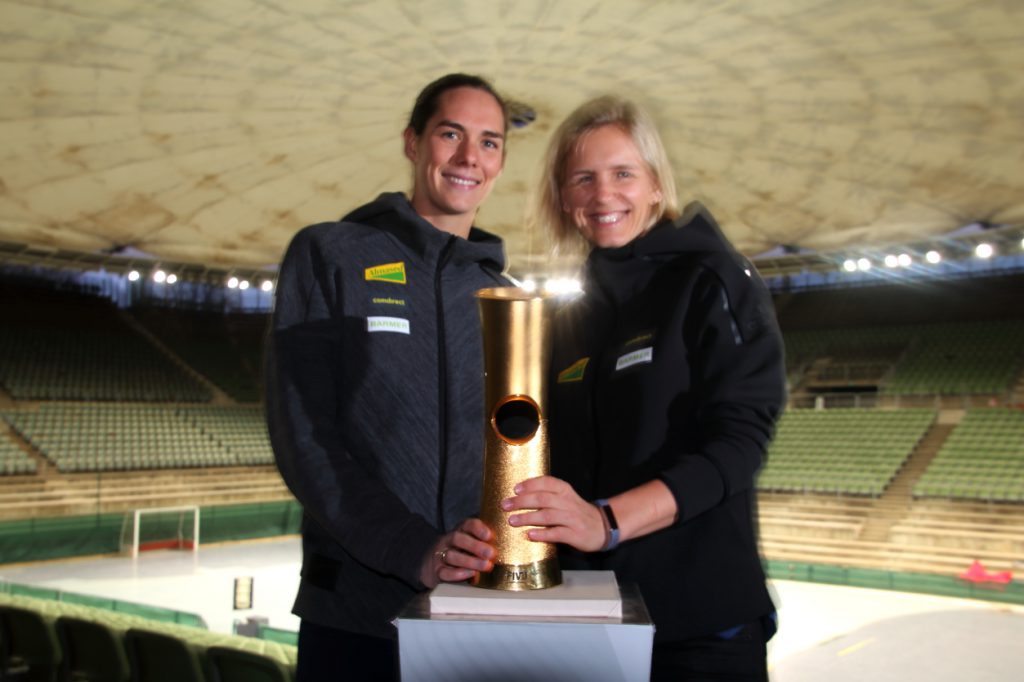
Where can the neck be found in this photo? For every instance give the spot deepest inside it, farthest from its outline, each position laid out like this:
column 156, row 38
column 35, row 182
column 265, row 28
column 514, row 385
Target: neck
column 457, row 225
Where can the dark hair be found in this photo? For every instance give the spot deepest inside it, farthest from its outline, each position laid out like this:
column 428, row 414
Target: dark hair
column 426, row 103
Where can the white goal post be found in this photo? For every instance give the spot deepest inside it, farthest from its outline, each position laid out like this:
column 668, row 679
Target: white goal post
column 183, row 533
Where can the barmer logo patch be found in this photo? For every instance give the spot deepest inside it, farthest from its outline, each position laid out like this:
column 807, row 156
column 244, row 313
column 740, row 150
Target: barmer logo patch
column 389, row 272
column 573, row 372
column 636, row 357
column 396, row 325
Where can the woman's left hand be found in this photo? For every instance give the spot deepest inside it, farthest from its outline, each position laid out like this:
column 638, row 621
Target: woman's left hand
column 563, row 516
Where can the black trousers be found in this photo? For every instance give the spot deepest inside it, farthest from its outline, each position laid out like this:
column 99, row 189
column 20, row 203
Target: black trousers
column 330, row 655
column 741, row 658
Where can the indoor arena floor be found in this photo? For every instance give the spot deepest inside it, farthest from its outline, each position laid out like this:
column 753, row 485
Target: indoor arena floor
column 827, row 633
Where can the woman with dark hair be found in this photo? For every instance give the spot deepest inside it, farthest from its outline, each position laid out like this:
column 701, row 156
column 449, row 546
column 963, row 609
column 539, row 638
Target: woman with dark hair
column 667, row 382
column 375, row 392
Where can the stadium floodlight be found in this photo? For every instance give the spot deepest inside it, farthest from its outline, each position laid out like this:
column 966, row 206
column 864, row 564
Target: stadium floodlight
column 267, row 285
column 159, row 276
column 243, row 284
column 133, row 276
column 172, row 278
column 933, row 257
column 863, row 264
column 984, row 250
column 233, row 283
column 850, row 265
column 904, row 260
column 891, row 261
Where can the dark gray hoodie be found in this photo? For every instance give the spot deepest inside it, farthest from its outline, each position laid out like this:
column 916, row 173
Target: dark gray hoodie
column 375, row 401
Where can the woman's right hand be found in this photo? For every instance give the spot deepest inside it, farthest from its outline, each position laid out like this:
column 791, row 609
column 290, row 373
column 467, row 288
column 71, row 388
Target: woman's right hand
column 563, row 516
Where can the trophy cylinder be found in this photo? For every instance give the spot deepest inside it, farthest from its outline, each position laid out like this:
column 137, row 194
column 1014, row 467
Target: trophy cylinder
column 517, row 350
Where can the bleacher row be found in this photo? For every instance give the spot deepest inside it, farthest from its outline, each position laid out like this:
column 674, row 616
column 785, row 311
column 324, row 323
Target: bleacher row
column 79, row 437
column 841, row 451
column 47, row 639
column 962, row 358
column 983, row 458
column 60, row 346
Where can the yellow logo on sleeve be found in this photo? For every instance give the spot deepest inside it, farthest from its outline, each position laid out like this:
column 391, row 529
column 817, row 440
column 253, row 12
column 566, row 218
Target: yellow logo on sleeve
column 389, row 272
column 573, row 372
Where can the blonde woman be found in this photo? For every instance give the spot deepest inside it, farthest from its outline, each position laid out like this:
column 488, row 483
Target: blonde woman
column 667, row 382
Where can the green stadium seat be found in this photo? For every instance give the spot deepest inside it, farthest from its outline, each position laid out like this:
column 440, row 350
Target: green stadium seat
column 232, row 665
column 158, row 657
column 92, row 651
column 31, row 650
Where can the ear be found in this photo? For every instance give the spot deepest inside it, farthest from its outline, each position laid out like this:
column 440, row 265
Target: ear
column 656, row 196
column 411, row 138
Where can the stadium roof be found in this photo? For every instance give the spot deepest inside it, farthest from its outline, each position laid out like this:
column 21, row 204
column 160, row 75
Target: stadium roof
column 209, row 132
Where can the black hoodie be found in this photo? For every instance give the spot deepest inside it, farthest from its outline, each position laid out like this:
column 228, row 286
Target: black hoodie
column 375, row 401
column 670, row 367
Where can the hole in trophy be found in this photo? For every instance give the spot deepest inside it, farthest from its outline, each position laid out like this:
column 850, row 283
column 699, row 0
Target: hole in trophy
column 516, row 419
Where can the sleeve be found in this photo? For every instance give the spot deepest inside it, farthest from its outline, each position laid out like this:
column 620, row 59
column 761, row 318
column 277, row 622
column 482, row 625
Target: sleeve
column 353, row 506
column 737, row 368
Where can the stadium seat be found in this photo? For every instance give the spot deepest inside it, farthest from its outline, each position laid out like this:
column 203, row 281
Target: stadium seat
column 31, row 650
column 231, row 665
column 156, row 657
column 93, row 652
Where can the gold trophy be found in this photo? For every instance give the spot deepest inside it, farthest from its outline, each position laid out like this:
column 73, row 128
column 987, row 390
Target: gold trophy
column 517, row 350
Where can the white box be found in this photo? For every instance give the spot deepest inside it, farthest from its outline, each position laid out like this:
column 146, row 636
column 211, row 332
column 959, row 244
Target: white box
column 441, row 647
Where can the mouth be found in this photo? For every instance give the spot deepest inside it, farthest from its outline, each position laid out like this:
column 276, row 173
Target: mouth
column 460, row 181
column 609, row 218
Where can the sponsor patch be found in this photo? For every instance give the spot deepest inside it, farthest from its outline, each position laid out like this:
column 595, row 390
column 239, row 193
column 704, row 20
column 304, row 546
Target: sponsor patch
column 573, row 372
column 640, row 356
column 637, row 340
column 396, row 325
column 389, row 272
column 388, row 301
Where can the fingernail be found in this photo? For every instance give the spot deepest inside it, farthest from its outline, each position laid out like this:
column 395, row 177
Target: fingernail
column 506, row 504
column 513, row 520
column 519, row 488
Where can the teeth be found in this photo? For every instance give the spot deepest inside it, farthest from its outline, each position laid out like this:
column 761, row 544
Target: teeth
column 461, row 181
column 608, row 218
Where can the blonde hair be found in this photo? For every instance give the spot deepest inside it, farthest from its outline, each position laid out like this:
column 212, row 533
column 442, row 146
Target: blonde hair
column 598, row 112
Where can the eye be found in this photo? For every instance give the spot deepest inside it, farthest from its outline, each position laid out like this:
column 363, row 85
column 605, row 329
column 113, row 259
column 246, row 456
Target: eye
column 450, row 134
column 624, row 174
column 492, row 144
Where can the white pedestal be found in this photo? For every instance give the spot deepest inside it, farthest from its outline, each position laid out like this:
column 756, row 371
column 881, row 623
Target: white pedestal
column 437, row 647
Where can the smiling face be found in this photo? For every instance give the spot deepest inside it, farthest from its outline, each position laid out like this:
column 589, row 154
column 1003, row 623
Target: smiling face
column 608, row 190
column 457, row 158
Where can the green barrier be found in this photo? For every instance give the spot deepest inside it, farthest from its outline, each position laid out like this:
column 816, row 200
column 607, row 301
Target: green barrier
column 278, row 635
column 130, row 609
column 57, row 538
column 32, row 591
column 64, row 537
column 943, row 585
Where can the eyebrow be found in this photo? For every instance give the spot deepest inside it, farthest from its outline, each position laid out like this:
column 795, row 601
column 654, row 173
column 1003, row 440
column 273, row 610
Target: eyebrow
column 458, row 126
column 617, row 167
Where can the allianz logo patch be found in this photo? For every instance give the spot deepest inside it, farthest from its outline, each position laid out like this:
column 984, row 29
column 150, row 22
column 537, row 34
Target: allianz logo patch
column 641, row 356
column 396, row 325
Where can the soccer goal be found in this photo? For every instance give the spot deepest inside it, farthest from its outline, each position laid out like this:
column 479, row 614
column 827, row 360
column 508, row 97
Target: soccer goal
column 160, row 528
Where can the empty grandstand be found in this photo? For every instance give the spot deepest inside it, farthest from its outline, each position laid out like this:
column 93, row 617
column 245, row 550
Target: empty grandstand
column 899, row 462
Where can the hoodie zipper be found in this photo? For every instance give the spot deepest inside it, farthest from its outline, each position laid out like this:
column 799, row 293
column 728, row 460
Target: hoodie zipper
column 442, row 384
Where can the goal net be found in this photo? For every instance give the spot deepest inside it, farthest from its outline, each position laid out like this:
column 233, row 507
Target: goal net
column 160, row 528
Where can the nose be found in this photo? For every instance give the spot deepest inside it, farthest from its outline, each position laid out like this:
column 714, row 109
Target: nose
column 602, row 187
column 466, row 153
